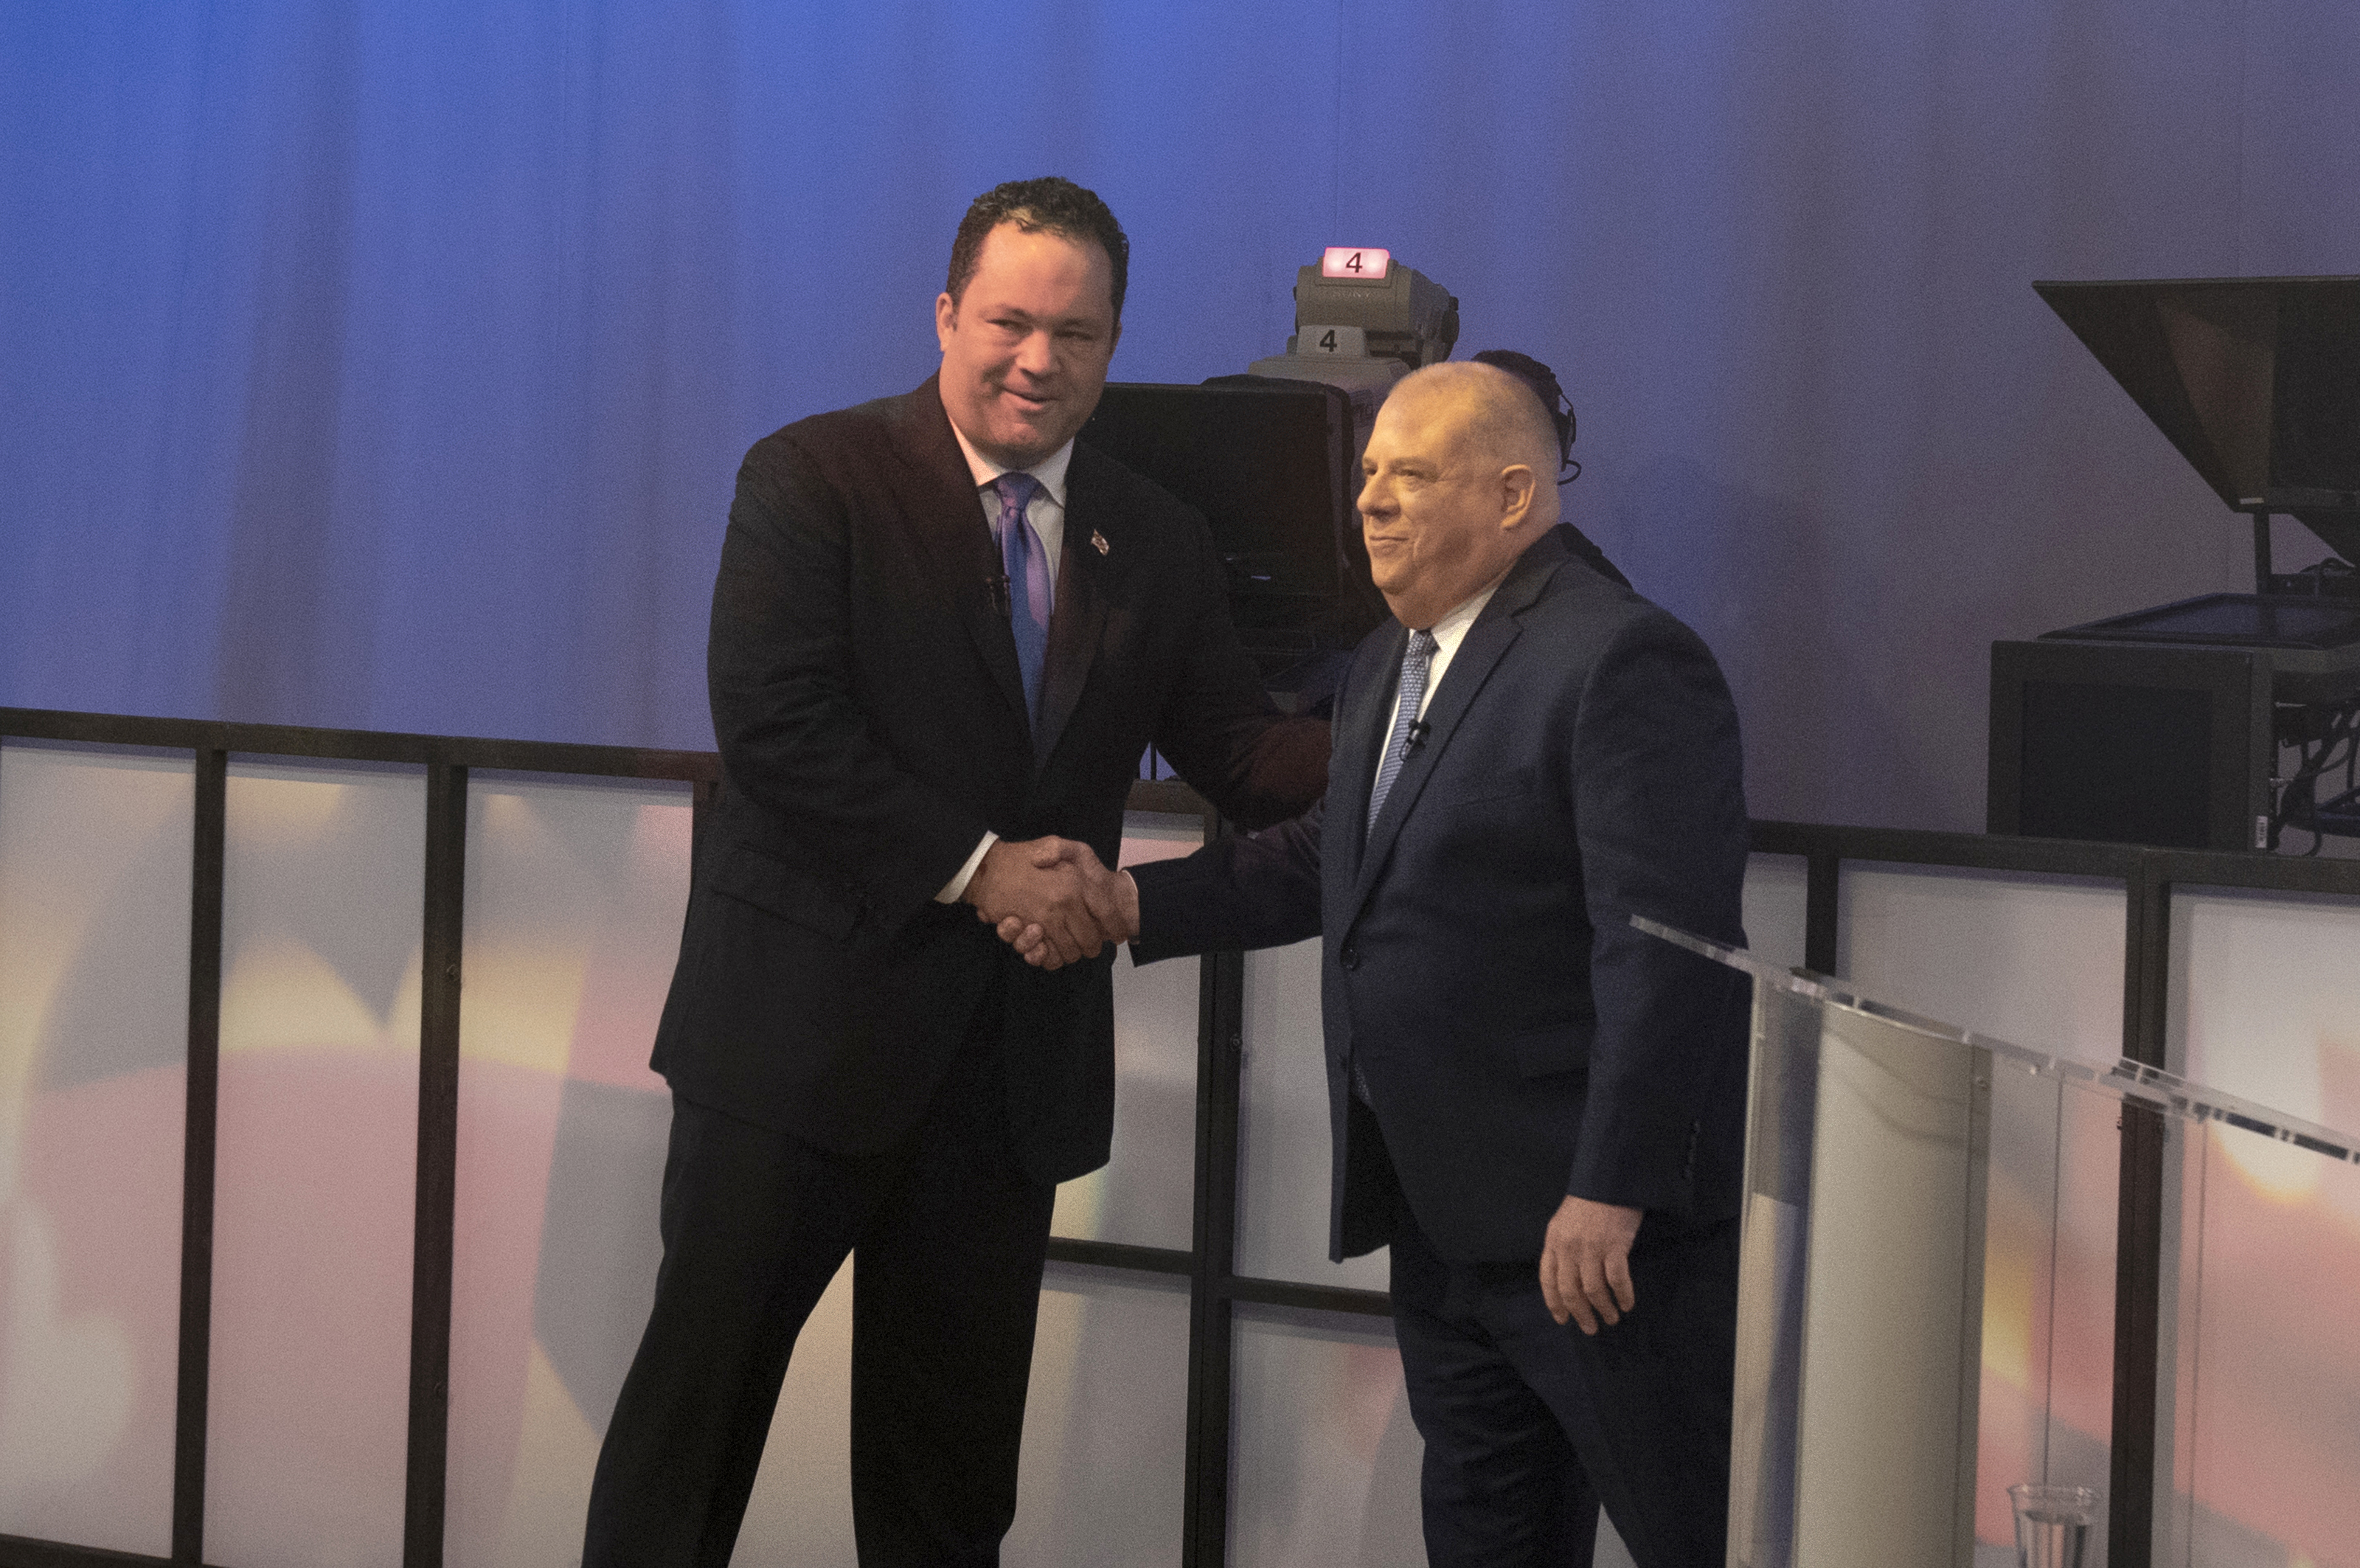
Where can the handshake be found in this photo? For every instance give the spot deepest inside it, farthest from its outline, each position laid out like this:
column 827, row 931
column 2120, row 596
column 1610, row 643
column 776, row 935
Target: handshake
column 1053, row 900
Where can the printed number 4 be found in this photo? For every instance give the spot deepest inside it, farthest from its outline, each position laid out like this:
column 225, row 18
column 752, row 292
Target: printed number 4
column 1355, row 265
column 1329, row 342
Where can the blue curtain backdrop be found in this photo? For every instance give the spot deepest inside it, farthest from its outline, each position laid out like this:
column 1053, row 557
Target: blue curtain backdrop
column 387, row 365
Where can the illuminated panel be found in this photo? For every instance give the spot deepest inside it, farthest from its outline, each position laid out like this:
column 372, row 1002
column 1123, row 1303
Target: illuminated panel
column 1776, row 907
column 95, row 885
column 1324, row 1466
column 1145, row 1194
column 1283, row 1135
column 2044, row 1403
column 575, row 890
column 2266, row 1452
column 1325, row 1461
column 1105, row 1429
column 801, row 1510
column 1359, row 263
column 317, row 1166
column 1106, row 1422
column 2265, row 1455
column 2038, row 961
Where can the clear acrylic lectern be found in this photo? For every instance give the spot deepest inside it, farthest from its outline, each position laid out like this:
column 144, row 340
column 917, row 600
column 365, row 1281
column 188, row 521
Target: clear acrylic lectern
column 1933, row 1232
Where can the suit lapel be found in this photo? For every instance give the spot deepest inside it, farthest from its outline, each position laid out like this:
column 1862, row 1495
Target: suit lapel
column 1494, row 631
column 937, row 493
column 1079, row 619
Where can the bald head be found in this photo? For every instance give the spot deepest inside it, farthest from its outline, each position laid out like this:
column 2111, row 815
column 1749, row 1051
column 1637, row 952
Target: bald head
column 1455, row 486
column 1499, row 417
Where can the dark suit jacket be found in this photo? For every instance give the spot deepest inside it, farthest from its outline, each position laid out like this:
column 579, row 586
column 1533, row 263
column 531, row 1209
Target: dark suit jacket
column 1520, row 1040
column 872, row 723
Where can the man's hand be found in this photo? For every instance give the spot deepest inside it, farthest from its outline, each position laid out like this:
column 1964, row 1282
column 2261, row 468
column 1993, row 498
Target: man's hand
column 1586, row 1262
column 1112, row 899
column 1043, row 887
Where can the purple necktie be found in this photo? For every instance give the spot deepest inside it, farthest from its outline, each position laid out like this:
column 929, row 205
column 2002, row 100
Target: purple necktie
column 1029, row 588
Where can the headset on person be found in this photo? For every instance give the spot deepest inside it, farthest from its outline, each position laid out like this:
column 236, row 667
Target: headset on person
column 1543, row 381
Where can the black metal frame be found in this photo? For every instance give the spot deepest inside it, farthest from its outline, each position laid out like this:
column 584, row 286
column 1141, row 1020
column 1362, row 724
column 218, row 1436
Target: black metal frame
column 2148, row 876
column 194, row 1368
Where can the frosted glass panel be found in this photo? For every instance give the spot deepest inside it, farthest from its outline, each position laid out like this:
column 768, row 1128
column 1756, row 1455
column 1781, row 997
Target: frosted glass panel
column 575, row 894
column 1324, row 1458
column 2265, row 1004
column 2267, row 1381
column 1106, row 1423
column 1777, row 906
column 2034, row 959
column 2046, row 1389
column 1145, row 1194
column 2264, row 1001
column 317, row 1171
column 801, row 1508
column 1105, row 1428
column 1324, row 1462
column 1283, row 1148
column 94, row 884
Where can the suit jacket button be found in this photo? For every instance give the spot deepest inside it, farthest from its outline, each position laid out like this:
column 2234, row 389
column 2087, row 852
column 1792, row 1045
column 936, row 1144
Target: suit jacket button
column 1350, row 956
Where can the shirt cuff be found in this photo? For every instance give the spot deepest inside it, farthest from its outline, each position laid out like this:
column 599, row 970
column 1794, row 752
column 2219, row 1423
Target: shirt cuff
column 956, row 889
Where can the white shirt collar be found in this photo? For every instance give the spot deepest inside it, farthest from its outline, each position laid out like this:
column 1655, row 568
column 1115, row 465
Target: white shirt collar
column 1050, row 470
column 1447, row 633
column 1451, row 630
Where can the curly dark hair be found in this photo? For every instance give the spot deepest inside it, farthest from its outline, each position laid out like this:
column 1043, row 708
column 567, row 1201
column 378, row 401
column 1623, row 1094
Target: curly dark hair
column 1053, row 203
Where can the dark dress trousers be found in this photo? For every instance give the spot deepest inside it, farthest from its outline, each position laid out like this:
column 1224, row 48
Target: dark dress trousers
column 856, row 1066
column 1518, row 1041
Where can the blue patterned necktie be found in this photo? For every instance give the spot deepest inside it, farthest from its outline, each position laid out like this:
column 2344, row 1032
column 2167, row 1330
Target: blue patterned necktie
column 1415, row 660
column 1029, row 588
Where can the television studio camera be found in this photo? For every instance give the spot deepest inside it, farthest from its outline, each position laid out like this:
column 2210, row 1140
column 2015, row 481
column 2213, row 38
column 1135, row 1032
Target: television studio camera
column 1273, row 459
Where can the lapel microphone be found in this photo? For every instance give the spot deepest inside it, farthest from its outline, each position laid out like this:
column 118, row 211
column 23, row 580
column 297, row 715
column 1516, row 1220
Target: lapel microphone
column 1417, row 729
column 998, row 584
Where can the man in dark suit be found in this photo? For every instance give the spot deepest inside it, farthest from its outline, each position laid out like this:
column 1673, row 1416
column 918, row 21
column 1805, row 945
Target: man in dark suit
column 941, row 628
column 1539, row 1107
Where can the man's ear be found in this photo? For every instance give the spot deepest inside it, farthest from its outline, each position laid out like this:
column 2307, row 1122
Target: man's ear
column 946, row 317
column 1517, row 484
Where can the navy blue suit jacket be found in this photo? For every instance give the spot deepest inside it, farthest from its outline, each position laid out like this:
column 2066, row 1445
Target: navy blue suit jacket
column 1520, row 1040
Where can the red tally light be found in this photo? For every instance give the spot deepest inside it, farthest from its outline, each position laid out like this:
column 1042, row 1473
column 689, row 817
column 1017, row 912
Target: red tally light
column 1364, row 262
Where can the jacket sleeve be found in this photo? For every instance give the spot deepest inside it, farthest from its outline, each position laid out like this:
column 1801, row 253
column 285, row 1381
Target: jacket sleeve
column 1260, row 890
column 1659, row 810
column 792, row 732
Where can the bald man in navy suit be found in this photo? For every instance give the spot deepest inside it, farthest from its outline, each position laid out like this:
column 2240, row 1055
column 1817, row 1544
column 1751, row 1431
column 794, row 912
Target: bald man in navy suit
column 1538, row 1107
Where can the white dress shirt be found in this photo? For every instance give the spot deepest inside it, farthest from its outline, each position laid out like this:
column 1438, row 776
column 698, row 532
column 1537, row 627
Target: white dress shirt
column 1046, row 513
